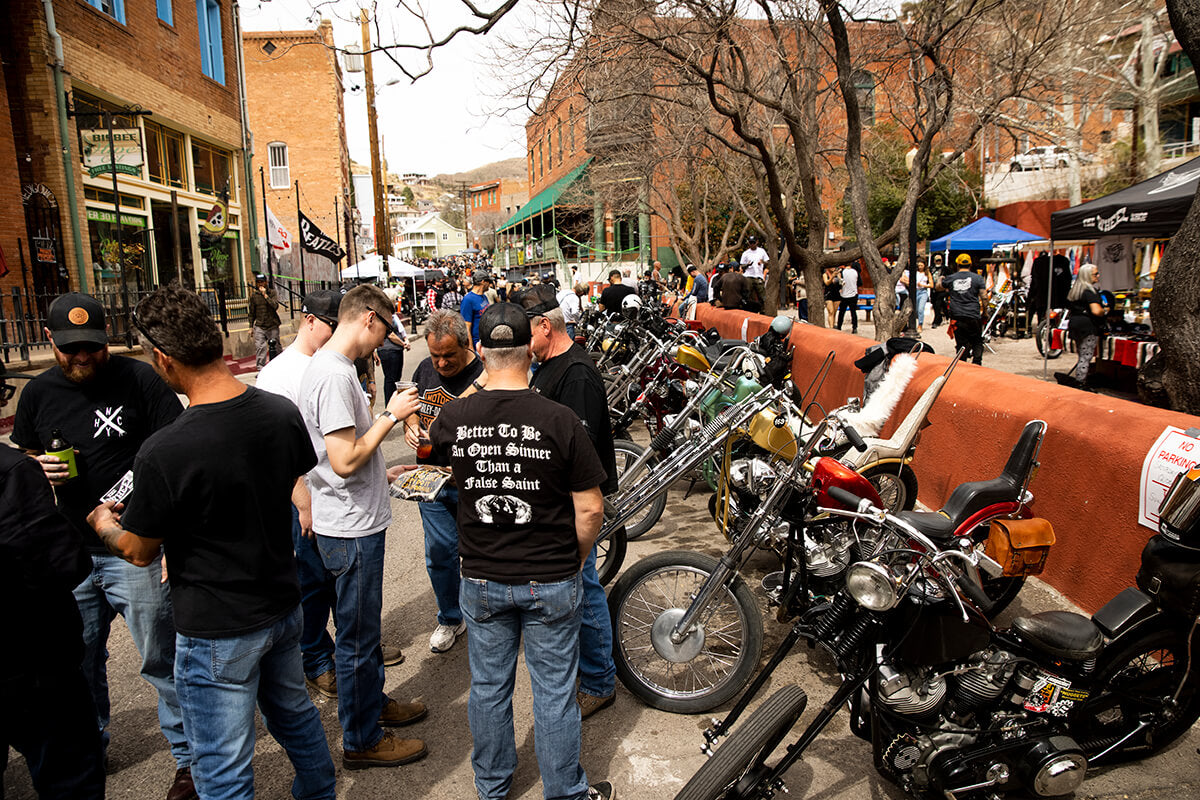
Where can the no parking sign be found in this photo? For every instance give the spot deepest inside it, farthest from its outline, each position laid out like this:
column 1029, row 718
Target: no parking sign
column 1173, row 452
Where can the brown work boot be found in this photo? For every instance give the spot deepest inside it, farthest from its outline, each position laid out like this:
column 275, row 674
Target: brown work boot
column 392, row 656
column 395, row 714
column 182, row 788
column 589, row 704
column 388, row 752
column 324, row 684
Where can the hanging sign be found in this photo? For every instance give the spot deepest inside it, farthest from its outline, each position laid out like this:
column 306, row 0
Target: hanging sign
column 125, row 155
column 1172, row 453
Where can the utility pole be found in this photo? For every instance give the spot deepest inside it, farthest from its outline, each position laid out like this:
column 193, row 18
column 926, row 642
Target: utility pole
column 383, row 229
column 462, row 190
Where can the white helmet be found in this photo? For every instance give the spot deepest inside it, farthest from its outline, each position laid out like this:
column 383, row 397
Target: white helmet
column 631, row 305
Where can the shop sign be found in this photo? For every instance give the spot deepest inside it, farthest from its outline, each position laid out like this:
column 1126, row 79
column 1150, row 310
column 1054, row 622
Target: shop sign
column 96, row 215
column 32, row 190
column 125, row 155
column 44, row 248
column 1173, row 452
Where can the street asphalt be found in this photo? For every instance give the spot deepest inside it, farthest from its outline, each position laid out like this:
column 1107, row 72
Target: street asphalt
column 645, row 753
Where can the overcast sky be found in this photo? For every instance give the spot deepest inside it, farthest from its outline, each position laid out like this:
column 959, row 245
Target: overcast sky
column 440, row 123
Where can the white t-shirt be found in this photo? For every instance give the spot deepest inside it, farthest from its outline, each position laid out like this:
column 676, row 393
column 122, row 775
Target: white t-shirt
column 849, row 282
column 568, row 301
column 283, row 373
column 347, row 508
column 753, row 261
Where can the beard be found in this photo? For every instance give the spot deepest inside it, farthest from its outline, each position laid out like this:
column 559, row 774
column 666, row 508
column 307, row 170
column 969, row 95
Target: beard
column 81, row 367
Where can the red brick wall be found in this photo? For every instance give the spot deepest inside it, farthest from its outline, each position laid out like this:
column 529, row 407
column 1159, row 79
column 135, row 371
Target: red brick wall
column 1031, row 215
column 12, row 214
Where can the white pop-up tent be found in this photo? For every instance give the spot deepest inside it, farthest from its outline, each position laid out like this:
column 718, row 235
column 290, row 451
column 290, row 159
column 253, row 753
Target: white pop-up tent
column 371, row 267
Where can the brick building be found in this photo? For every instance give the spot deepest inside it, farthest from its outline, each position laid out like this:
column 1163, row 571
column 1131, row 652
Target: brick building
column 294, row 99
column 176, row 63
column 490, row 204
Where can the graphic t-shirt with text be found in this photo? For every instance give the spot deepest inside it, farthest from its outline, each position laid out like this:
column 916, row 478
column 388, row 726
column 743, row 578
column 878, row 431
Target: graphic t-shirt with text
column 516, row 457
column 435, row 391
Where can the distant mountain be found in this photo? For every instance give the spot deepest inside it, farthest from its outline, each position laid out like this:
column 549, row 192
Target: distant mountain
column 510, row 168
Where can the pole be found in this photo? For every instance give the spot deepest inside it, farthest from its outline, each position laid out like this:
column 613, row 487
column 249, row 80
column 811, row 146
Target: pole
column 1046, row 319
column 262, row 176
column 70, row 165
column 249, row 223
column 112, row 159
column 178, row 246
column 383, row 234
column 301, row 242
column 912, row 269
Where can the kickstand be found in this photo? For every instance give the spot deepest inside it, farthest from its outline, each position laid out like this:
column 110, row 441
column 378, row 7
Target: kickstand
column 691, row 485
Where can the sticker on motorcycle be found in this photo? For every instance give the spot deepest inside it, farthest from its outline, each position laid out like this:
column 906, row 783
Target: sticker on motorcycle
column 1053, row 695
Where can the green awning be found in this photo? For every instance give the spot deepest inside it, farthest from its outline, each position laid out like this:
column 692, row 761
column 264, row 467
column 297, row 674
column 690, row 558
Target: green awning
column 545, row 199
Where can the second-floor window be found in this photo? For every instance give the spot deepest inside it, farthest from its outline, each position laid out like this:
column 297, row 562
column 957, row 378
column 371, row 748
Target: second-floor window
column 164, row 11
column 210, row 167
column 281, row 175
column 164, row 156
column 212, row 54
column 114, row 8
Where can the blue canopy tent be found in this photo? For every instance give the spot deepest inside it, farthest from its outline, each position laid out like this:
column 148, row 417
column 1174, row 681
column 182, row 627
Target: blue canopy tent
column 982, row 234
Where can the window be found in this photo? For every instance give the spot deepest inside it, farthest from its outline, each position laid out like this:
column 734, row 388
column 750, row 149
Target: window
column 549, row 150
column 560, row 155
column 281, row 174
column 165, row 12
column 445, row 236
column 164, row 156
column 210, row 167
column 864, row 87
column 114, row 8
column 571, row 127
column 212, row 54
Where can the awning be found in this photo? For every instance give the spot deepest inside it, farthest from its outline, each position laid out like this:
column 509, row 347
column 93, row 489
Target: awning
column 982, row 234
column 545, row 199
column 1151, row 209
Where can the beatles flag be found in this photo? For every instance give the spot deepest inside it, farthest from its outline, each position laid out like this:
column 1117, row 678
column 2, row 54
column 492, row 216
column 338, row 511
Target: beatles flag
column 316, row 241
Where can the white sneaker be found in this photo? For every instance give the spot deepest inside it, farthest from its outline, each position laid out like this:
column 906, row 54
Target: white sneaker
column 444, row 636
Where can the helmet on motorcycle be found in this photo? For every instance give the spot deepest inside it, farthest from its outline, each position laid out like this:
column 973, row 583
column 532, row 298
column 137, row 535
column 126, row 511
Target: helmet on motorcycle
column 631, row 305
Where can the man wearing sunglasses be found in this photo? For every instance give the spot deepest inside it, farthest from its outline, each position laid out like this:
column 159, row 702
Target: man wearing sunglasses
column 351, row 512
column 106, row 406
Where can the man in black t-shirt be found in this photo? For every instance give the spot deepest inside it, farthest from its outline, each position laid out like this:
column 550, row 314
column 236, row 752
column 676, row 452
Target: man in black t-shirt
column 967, row 292
column 448, row 373
column 205, row 490
column 566, row 374
column 614, row 293
column 530, row 508
column 106, row 406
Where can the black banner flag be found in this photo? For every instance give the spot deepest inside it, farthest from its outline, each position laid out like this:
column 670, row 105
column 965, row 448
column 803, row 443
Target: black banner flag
column 315, row 241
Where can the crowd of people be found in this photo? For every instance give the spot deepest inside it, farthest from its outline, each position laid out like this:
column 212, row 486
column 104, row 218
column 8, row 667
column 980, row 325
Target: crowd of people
column 229, row 533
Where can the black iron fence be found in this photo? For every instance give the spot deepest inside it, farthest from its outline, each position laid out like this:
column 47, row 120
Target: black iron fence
column 23, row 313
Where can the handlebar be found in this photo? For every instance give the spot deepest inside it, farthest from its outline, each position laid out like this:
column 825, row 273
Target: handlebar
column 852, row 435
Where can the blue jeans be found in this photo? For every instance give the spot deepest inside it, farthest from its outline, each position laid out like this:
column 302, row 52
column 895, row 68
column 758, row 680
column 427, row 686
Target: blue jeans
column 357, row 567
column 571, row 330
column 138, row 594
column 392, row 363
column 922, row 299
column 547, row 615
column 221, row 680
column 597, row 672
column 317, row 596
column 440, row 521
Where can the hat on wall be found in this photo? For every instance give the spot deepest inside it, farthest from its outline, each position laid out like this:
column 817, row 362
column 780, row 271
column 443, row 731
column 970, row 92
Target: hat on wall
column 504, row 325
column 76, row 317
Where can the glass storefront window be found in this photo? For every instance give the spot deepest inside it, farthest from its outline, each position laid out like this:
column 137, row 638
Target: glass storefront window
column 210, row 166
column 221, row 260
column 108, row 256
column 164, row 156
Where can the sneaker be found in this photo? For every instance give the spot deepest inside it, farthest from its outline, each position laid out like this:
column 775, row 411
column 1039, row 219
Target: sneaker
column 444, row 636
column 182, row 788
column 589, row 704
column 392, row 656
column 601, row 791
column 396, row 714
column 324, row 684
column 388, row 752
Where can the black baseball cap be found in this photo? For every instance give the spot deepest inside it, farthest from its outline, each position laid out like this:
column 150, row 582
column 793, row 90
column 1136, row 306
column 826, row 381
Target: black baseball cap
column 76, row 317
column 322, row 304
column 504, row 325
column 537, row 300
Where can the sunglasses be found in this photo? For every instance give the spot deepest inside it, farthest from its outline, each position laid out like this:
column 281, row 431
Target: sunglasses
column 76, row 347
column 387, row 323
column 142, row 330
column 330, row 321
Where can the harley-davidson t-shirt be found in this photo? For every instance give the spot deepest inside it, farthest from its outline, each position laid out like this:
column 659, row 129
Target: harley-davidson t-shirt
column 516, row 457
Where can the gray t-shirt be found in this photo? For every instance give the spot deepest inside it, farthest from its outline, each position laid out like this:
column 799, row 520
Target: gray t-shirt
column 964, row 287
column 332, row 400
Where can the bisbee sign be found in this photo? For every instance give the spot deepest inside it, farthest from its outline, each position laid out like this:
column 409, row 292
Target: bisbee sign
column 124, row 155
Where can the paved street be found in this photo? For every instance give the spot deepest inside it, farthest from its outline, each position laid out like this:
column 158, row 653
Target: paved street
column 646, row 753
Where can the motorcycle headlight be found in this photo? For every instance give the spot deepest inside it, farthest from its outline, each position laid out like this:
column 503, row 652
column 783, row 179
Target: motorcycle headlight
column 873, row 586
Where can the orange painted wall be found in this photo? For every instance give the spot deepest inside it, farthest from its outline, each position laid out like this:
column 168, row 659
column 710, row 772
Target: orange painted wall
column 1091, row 457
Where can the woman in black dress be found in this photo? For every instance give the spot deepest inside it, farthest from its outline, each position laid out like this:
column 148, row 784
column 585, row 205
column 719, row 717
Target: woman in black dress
column 1086, row 322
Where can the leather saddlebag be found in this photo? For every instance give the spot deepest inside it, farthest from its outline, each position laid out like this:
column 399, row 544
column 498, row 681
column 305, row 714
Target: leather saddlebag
column 1170, row 574
column 1020, row 545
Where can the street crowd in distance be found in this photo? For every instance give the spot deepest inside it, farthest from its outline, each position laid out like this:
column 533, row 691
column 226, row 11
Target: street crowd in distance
column 227, row 566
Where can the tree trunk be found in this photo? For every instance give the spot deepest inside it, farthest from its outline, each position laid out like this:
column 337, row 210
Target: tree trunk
column 1150, row 137
column 1175, row 304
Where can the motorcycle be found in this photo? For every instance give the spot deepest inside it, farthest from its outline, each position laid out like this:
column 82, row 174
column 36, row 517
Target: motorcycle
column 686, row 629
column 1044, row 333
column 955, row 708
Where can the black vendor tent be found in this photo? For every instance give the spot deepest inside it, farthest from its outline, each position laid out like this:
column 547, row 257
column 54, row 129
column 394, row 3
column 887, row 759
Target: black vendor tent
column 1152, row 209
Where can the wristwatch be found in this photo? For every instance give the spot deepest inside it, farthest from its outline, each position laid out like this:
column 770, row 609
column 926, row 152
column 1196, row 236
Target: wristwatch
column 389, row 415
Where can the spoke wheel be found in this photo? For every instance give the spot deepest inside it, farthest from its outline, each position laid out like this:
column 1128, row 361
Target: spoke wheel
column 896, row 484
column 1042, row 335
column 712, row 663
column 1133, row 684
column 627, row 454
column 741, row 758
column 610, row 555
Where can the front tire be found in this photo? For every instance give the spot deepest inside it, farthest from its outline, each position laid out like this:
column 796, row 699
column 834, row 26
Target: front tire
column 717, row 658
column 895, row 483
column 1042, row 335
column 627, row 454
column 1133, row 683
column 610, row 555
column 743, row 754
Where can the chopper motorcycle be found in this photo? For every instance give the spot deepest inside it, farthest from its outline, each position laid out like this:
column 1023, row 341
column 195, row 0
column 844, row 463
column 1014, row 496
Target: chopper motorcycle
column 956, row 709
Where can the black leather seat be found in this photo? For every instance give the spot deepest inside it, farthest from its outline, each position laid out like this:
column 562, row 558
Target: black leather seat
column 1062, row 634
column 935, row 525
